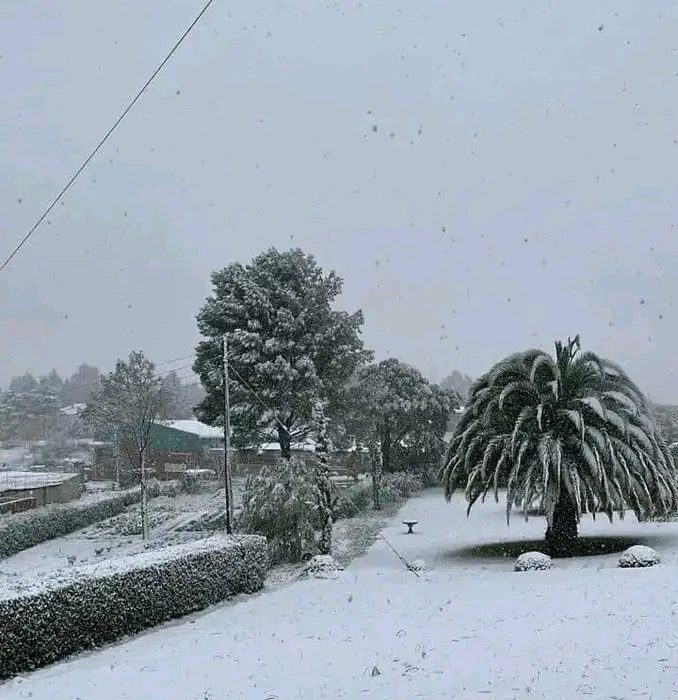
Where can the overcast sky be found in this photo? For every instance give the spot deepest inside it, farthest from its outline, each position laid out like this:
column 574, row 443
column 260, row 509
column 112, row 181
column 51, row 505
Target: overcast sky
column 485, row 176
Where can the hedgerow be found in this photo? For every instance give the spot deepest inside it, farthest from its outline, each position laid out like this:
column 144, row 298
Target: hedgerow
column 81, row 608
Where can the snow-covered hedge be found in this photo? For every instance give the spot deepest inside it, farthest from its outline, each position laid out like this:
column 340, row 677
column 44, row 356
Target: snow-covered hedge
column 533, row 561
column 45, row 620
column 638, row 556
column 24, row 530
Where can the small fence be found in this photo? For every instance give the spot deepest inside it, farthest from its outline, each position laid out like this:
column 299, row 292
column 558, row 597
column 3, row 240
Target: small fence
column 17, row 505
column 340, row 476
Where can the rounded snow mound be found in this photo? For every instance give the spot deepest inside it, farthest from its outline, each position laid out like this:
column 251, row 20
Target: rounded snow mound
column 533, row 561
column 418, row 565
column 638, row 556
column 322, row 566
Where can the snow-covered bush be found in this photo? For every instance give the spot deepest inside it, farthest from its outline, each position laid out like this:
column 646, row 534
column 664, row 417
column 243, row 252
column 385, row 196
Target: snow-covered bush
column 638, row 556
column 211, row 521
column 322, row 566
column 80, row 608
column 418, row 565
column 402, row 484
column 352, row 500
column 533, row 561
column 128, row 523
column 430, row 476
column 24, row 530
column 280, row 504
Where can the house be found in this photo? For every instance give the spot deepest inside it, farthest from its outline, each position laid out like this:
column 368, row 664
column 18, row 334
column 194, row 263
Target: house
column 23, row 490
column 251, row 459
column 175, row 446
column 180, row 445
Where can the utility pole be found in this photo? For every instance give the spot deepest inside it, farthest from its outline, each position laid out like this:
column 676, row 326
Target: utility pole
column 227, row 444
column 144, row 497
column 117, row 461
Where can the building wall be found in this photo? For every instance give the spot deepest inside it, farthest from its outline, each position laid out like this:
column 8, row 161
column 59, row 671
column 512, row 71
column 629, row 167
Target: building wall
column 167, row 439
column 168, row 449
column 171, row 464
column 64, row 492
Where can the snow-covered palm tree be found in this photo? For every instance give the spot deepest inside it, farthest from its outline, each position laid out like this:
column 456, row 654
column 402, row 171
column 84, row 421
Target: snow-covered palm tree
column 573, row 434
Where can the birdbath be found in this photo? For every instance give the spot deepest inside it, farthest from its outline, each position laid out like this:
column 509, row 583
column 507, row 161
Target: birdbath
column 410, row 524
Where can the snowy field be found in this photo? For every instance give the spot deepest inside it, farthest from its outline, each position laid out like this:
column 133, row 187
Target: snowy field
column 469, row 628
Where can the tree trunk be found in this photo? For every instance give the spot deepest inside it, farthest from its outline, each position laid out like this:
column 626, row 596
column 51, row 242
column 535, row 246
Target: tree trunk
column 561, row 536
column 386, row 450
column 376, row 468
column 323, row 483
column 144, row 498
column 285, row 442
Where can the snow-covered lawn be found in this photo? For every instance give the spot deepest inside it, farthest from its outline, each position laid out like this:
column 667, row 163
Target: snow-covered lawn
column 470, row 627
column 117, row 536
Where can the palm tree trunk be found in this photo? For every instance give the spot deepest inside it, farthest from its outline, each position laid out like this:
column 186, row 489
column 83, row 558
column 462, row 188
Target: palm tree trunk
column 561, row 535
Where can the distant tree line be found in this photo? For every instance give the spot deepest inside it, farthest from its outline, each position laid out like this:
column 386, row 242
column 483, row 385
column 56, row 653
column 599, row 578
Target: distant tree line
column 31, row 407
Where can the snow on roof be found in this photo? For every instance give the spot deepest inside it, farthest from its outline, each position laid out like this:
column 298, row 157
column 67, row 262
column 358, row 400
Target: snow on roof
column 195, row 427
column 21, row 481
column 308, row 446
column 74, row 409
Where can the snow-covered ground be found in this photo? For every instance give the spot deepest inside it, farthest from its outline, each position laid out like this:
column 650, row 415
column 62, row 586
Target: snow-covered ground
column 468, row 628
column 117, row 536
column 16, row 457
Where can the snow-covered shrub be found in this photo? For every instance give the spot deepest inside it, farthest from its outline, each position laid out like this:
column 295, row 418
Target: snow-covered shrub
column 128, row 523
column 24, row 530
column 638, row 556
column 352, row 500
column 533, row 561
column 430, row 476
column 280, row 503
column 403, row 484
column 322, row 566
column 418, row 565
column 163, row 488
column 80, row 608
column 211, row 521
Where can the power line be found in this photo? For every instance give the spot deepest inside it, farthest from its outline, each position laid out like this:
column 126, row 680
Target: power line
column 257, row 397
column 176, row 359
column 176, row 369
column 65, row 189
